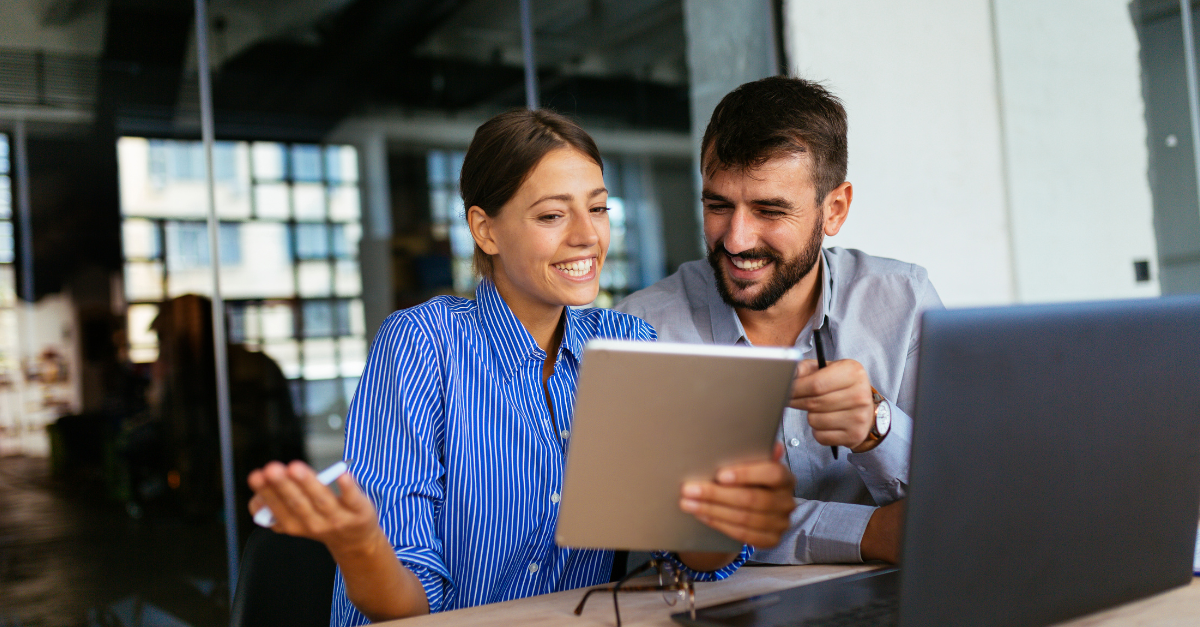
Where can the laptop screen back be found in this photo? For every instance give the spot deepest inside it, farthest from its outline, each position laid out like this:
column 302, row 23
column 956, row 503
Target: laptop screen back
column 1056, row 461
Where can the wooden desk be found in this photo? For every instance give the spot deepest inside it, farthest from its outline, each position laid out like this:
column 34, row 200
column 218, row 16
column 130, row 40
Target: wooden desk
column 1177, row 607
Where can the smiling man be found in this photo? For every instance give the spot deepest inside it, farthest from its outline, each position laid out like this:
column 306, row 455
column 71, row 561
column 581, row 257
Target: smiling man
column 774, row 168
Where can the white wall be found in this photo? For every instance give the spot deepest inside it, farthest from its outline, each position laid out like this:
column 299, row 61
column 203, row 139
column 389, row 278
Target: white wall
column 1007, row 156
column 1075, row 131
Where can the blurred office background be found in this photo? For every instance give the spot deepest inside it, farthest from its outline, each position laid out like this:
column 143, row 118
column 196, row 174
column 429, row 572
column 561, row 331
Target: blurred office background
column 1021, row 150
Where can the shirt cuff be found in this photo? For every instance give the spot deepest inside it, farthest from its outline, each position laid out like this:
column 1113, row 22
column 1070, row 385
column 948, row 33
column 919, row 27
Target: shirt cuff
column 431, row 572
column 821, row 533
column 884, row 469
column 713, row 575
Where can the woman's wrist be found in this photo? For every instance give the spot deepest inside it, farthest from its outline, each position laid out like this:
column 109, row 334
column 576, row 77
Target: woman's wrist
column 707, row 562
column 361, row 547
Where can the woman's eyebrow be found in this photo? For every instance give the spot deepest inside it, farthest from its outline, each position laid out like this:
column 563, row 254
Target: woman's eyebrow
column 568, row 197
column 562, row 197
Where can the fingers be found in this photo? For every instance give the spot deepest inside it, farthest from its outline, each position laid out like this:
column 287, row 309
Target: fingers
column 771, row 475
column 843, row 428
column 754, row 528
column 753, row 515
column 300, row 503
column 838, row 400
column 256, row 503
column 748, row 499
column 806, row 367
column 352, row 496
column 749, row 502
column 838, row 375
column 858, row 396
column 322, row 499
column 287, row 501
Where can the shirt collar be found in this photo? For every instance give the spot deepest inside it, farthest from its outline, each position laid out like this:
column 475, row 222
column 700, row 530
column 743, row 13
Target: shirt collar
column 727, row 327
column 511, row 343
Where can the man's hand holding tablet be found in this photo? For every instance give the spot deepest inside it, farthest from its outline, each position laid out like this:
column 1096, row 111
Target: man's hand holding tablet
column 748, row 502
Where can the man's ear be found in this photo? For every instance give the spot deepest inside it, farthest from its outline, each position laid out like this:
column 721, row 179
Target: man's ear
column 837, row 208
column 481, row 230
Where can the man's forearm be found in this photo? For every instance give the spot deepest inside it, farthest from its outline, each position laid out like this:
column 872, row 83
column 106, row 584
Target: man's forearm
column 881, row 539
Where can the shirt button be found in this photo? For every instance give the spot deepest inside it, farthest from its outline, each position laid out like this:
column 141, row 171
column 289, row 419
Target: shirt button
column 554, row 497
column 794, row 442
column 565, row 434
column 533, row 568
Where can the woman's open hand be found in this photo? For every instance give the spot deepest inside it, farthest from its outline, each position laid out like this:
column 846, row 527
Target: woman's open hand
column 303, row 507
column 376, row 582
column 750, row 502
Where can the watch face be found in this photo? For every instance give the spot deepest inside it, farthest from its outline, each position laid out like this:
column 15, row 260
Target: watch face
column 883, row 419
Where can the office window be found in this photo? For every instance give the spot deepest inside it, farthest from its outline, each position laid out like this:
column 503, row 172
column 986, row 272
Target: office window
column 289, row 233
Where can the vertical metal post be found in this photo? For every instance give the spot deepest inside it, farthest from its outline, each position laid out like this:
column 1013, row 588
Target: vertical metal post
column 531, row 85
column 218, row 303
column 25, row 219
column 773, row 43
column 21, row 155
column 1189, row 57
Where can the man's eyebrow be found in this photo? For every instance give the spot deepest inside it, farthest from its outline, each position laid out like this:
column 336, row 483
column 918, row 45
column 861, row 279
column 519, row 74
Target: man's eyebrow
column 568, row 197
column 781, row 203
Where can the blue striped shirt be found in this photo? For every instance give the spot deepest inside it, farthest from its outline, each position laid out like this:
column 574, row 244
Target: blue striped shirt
column 453, row 441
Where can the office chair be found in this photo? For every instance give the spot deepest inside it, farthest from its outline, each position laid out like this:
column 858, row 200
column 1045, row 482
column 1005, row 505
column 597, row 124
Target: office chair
column 284, row 581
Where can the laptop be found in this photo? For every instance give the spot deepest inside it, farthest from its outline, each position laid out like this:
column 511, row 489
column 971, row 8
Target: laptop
column 1055, row 472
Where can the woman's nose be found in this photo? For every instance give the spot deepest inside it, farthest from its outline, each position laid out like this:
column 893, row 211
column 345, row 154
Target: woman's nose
column 583, row 231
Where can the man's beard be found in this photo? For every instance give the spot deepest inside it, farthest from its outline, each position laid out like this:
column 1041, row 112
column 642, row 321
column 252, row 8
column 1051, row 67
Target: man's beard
column 787, row 272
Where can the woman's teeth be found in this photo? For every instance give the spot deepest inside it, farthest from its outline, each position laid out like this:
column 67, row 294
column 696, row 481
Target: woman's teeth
column 748, row 264
column 575, row 268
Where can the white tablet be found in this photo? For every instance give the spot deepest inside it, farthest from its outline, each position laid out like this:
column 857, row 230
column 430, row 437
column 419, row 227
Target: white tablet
column 649, row 416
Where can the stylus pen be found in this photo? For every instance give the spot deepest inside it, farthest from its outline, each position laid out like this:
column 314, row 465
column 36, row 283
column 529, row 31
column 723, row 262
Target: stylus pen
column 266, row 518
column 821, row 364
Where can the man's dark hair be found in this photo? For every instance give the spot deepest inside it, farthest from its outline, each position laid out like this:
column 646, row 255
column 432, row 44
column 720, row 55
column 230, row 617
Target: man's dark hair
column 774, row 117
column 505, row 150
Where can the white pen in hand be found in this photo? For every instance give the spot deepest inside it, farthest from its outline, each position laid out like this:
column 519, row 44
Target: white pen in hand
column 266, row 518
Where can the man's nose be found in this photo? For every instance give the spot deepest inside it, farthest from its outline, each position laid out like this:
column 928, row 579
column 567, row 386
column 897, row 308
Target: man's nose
column 743, row 233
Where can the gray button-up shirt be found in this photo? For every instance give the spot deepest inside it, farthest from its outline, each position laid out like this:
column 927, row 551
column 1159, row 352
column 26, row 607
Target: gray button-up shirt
column 869, row 311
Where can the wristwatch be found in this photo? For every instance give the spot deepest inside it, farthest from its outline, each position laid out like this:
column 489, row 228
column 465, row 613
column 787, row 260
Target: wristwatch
column 883, row 417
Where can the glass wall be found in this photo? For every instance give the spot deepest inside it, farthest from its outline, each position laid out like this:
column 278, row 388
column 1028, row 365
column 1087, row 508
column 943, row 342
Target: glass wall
column 289, row 233
column 337, row 202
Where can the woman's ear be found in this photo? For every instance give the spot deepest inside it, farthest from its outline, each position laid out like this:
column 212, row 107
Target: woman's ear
column 480, row 224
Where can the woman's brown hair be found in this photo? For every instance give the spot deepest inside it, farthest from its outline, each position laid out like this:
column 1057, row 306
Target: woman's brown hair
column 504, row 151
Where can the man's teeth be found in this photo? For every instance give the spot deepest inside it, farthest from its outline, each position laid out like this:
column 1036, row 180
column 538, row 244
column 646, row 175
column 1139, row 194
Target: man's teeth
column 575, row 268
column 748, row 264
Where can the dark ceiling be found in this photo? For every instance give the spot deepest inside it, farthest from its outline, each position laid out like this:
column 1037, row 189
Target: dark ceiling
column 619, row 62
